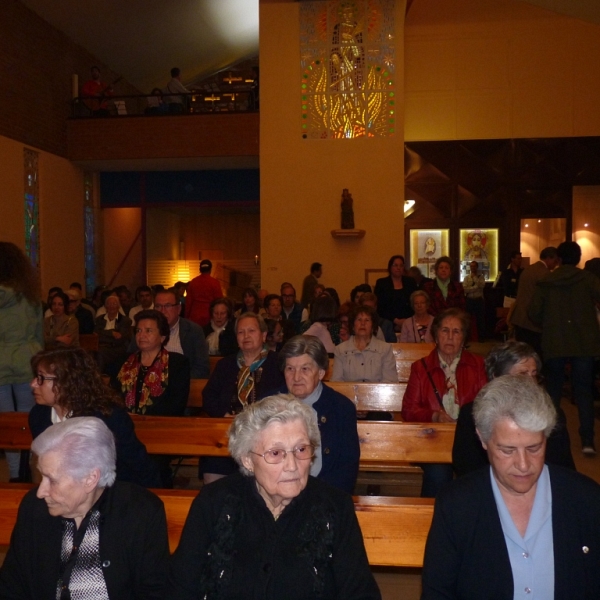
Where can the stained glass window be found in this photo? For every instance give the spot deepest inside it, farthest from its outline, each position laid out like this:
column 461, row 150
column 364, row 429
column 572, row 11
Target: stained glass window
column 347, row 69
column 32, row 208
column 91, row 261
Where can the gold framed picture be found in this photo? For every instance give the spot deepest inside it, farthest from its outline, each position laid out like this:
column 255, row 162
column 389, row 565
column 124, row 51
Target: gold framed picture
column 426, row 246
column 481, row 246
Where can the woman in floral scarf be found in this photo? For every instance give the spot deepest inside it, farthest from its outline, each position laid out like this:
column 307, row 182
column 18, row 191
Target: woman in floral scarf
column 153, row 380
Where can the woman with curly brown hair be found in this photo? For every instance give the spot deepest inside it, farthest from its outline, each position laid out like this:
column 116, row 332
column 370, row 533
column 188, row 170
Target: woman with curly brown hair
column 67, row 383
column 21, row 334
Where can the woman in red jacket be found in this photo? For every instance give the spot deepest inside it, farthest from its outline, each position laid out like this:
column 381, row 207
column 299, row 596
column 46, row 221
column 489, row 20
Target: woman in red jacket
column 441, row 383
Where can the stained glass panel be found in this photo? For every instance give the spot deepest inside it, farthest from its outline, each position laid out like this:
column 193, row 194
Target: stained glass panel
column 32, row 208
column 347, row 69
column 91, row 262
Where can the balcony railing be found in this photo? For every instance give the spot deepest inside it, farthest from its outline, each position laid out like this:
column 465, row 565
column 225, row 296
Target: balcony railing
column 155, row 105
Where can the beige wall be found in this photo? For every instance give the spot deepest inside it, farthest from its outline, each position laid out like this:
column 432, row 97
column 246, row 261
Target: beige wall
column 302, row 180
column 61, row 212
column 537, row 234
column 121, row 228
column 480, row 69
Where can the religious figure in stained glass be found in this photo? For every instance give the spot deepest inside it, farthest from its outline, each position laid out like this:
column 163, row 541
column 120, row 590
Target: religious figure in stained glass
column 91, row 251
column 347, row 66
column 32, row 209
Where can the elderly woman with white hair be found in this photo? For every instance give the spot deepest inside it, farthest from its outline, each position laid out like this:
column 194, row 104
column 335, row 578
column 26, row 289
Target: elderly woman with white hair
column 272, row 531
column 81, row 534
column 519, row 528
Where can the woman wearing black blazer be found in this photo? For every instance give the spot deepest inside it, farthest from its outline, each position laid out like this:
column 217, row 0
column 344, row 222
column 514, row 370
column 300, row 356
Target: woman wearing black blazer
column 393, row 293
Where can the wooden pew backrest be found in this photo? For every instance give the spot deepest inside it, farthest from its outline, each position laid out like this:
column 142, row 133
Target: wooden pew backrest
column 380, row 441
column 394, row 529
column 406, row 354
column 372, row 396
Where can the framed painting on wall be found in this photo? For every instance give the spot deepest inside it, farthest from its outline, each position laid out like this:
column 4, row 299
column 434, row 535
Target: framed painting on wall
column 481, row 246
column 426, row 246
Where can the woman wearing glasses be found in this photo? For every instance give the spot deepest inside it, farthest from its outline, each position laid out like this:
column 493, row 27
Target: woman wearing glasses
column 67, row 383
column 509, row 358
column 272, row 530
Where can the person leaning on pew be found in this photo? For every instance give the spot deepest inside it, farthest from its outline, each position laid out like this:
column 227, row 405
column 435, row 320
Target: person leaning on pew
column 81, row 534
column 272, row 531
column 518, row 528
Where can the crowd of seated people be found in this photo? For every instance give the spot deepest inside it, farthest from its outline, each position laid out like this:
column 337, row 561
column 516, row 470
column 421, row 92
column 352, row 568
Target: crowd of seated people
column 405, row 307
column 285, row 418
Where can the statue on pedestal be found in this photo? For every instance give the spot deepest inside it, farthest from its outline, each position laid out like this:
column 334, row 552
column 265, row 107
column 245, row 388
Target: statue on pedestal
column 347, row 210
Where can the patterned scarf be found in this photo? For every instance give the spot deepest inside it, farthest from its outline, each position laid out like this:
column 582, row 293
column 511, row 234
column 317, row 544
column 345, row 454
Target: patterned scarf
column 155, row 380
column 450, row 399
column 248, row 376
column 81, row 572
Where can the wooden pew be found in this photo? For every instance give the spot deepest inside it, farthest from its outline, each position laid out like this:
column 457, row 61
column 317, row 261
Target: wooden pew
column 213, row 360
column 372, row 396
column 366, row 396
column 406, row 354
column 394, row 529
column 384, row 445
column 196, row 388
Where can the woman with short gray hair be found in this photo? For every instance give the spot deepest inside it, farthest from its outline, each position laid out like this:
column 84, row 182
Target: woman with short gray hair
column 80, row 534
column 520, row 400
column 508, row 358
column 520, row 527
column 84, row 446
column 272, row 530
column 417, row 329
column 238, row 381
column 304, row 363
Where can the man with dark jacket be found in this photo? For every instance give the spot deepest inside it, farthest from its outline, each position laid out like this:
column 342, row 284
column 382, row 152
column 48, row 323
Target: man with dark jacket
column 525, row 330
column 563, row 306
column 84, row 317
column 292, row 310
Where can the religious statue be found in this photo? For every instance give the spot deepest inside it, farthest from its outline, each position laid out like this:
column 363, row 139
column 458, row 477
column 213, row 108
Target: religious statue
column 347, row 210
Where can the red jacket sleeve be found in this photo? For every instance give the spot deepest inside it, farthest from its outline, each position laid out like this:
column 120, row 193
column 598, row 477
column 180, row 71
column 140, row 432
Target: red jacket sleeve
column 420, row 401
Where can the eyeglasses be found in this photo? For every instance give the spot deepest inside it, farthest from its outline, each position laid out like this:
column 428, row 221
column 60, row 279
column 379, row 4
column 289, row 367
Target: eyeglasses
column 168, row 306
column 277, row 455
column 41, row 378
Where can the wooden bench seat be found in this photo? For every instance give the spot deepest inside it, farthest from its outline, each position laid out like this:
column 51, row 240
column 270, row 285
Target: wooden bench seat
column 394, row 529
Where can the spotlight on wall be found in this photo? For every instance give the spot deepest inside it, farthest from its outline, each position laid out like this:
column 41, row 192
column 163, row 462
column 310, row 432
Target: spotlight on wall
column 526, row 224
column 539, row 220
column 586, row 224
